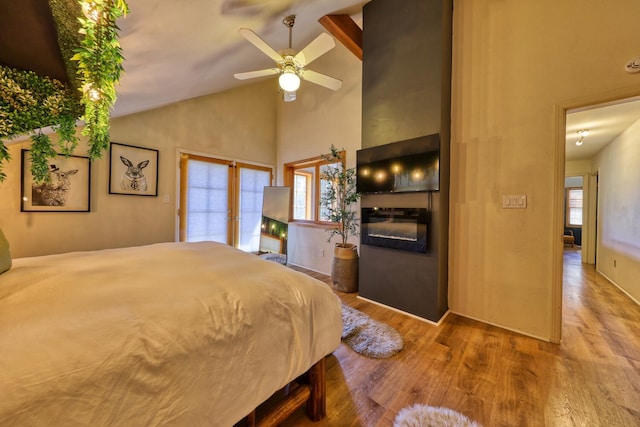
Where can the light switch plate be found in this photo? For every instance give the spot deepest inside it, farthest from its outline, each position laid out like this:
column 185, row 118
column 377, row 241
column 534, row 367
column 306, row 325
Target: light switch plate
column 514, row 201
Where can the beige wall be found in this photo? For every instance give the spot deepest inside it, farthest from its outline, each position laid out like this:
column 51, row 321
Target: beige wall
column 619, row 211
column 577, row 168
column 307, row 128
column 238, row 124
column 514, row 62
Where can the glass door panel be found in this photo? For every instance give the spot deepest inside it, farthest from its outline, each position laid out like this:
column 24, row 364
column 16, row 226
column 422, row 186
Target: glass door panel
column 251, row 182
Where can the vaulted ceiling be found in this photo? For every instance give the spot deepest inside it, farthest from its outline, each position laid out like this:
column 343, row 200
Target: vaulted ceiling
column 176, row 50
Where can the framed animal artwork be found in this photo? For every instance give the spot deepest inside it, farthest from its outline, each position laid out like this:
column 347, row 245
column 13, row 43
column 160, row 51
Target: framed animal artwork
column 67, row 189
column 133, row 170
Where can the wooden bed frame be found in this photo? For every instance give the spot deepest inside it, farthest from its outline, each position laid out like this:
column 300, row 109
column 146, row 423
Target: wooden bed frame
column 309, row 389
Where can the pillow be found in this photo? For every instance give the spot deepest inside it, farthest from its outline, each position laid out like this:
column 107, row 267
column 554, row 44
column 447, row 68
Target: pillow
column 5, row 256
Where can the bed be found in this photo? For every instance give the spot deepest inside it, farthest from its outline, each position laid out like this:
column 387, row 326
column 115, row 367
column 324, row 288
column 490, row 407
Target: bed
column 185, row 334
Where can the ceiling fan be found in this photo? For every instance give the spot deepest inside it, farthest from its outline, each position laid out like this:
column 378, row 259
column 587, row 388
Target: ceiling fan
column 290, row 65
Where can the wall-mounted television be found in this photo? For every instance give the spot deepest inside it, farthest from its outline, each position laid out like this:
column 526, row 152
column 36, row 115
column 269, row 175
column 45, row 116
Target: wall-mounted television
column 417, row 171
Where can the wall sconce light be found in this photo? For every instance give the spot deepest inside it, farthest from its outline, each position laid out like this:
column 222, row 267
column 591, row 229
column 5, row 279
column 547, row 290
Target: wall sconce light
column 582, row 133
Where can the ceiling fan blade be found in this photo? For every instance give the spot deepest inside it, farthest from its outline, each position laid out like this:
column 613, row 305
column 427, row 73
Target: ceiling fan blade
column 318, row 47
column 322, row 79
column 255, row 40
column 257, row 73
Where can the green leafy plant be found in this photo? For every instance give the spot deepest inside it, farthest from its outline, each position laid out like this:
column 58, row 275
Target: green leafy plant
column 41, row 152
column 29, row 102
column 99, row 60
column 93, row 59
column 339, row 197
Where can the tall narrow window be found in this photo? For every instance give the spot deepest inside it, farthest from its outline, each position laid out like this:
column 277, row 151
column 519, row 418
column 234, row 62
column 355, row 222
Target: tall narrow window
column 302, row 194
column 574, row 207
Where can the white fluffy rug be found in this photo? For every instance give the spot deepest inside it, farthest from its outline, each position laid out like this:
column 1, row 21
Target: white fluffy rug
column 367, row 336
column 429, row 416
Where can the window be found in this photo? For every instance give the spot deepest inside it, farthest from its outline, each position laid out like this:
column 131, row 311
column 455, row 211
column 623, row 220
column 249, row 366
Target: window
column 302, row 194
column 307, row 187
column 574, row 207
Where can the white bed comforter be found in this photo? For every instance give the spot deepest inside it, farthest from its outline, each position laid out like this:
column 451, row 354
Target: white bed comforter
column 188, row 334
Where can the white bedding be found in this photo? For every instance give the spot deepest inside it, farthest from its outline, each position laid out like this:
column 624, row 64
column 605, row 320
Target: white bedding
column 187, row 334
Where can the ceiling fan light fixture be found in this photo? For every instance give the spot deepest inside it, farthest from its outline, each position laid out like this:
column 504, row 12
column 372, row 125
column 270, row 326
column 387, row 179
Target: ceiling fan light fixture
column 582, row 133
column 289, row 81
column 291, row 65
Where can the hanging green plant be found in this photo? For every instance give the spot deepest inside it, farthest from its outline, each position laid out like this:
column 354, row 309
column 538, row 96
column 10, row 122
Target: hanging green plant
column 99, row 66
column 28, row 102
column 41, row 152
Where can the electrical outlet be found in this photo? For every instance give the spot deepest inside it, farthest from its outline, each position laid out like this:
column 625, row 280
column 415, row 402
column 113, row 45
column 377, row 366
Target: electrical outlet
column 321, row 253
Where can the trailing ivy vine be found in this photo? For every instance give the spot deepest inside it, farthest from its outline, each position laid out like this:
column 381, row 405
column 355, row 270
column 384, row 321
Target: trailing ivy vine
column 99, row 66
column 88, row 40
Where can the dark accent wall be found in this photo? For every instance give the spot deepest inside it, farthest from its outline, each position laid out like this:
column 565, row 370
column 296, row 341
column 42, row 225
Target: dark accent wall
column 406, row 87
column 406, row 94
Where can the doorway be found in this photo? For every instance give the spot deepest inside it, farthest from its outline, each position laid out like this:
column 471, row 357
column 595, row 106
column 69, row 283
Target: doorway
column 591, row 124
column 221, row 201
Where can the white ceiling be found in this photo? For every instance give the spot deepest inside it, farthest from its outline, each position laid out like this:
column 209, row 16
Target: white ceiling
column 177, row 50
column 604, row 123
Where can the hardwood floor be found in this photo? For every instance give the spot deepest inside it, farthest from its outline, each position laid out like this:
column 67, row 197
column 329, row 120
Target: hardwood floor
column 494, row 376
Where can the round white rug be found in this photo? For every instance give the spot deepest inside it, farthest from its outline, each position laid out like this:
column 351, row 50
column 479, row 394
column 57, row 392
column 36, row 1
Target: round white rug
column 430, row 416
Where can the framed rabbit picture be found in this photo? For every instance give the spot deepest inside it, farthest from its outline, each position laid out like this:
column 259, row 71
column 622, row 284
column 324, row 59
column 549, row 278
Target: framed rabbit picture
column 133, row 170
column 67, row 188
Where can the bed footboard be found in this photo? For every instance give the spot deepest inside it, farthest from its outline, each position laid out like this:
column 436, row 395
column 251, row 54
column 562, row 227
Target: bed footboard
column 310, row 388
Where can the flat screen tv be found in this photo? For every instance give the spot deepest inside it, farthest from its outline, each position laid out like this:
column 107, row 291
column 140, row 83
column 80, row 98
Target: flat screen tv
column 410, row 173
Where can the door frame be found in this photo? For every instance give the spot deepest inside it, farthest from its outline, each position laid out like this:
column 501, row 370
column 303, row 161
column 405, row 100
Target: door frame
column 592, row 237
column 180, row 175
column 560, row 111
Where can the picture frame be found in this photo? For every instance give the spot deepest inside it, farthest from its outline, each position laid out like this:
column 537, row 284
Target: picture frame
column 69, row 188
column 133, row 171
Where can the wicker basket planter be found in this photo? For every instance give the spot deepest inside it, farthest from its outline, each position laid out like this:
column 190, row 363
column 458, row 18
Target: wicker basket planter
column 344, row 268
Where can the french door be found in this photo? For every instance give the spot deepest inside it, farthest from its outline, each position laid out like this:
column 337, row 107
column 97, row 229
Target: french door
column 221, row 200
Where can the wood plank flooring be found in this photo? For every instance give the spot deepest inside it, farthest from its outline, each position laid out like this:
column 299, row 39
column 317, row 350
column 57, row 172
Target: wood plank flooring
column 494, row 376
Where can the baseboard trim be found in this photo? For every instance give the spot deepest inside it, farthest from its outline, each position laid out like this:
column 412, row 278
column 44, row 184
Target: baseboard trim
column 497, row 325
column 618, row 286
column 431, row 322
column 308, row 268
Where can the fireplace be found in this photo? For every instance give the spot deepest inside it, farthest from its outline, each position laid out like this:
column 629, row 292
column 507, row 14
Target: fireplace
column 395, row 228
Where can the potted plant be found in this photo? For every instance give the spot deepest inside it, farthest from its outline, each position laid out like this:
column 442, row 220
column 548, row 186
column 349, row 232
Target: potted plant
column 338, row 207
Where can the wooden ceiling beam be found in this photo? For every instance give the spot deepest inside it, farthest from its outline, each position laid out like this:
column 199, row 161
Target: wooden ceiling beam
column 343, row 28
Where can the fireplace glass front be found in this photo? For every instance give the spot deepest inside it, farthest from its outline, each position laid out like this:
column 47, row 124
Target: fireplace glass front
column 395, row 228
